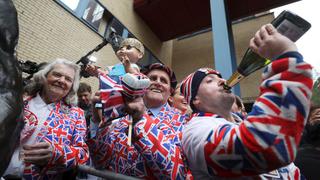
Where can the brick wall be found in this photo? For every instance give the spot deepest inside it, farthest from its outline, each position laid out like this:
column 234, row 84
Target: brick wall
column 48, row 31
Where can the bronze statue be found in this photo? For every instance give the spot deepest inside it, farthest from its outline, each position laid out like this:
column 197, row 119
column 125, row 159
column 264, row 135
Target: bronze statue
column 11, row 103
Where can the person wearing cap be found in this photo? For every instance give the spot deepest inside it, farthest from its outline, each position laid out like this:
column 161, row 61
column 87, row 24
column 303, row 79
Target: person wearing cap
column 163, row 83
column 264, row 145
column 155, row 152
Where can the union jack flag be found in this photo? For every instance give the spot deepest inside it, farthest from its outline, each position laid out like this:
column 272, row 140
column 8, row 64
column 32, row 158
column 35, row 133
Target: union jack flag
column 111, row 97
column 112, row 89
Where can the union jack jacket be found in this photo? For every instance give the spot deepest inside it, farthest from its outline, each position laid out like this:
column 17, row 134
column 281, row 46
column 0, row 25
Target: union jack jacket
column 65, row 129
column 155, row 153
column 266, row 140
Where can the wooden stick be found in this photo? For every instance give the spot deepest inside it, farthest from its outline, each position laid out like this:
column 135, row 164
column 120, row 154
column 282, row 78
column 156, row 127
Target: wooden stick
column 130, row 131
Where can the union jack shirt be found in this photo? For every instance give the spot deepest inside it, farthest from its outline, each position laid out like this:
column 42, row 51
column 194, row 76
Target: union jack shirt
column 265, row 143
column 65, row 129
column 155, row 153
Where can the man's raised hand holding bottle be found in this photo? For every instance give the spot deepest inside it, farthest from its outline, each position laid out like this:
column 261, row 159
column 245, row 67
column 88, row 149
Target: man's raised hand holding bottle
column 268, row 43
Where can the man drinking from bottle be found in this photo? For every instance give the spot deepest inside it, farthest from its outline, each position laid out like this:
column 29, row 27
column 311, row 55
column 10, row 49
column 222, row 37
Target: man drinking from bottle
column 264, row 145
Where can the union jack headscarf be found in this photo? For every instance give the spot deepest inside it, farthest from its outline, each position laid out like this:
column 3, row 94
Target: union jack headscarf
column 190, row 85
column 172, row 76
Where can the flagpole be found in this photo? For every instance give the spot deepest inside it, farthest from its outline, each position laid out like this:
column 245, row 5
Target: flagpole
column 130, row 131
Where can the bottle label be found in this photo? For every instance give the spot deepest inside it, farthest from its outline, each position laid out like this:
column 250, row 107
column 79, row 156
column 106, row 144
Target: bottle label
column 234, row 79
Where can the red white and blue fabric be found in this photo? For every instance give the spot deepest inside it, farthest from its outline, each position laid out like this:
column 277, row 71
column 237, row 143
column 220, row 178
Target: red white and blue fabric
column 65, row 129
column 134, row 84
column 162, row 67
column 268, row 139
column 111, row 97
column 155, row 152
column 112, row 89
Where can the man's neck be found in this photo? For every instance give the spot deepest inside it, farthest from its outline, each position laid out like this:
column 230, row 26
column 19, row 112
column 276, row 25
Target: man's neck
column 153, row 104
column 226, row 114
column 229, row 117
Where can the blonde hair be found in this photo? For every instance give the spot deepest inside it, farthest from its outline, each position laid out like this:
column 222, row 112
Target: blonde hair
column 134, row 43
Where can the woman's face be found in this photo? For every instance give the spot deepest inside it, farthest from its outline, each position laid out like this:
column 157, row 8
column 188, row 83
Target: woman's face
column 59, row 82
column 178, row 101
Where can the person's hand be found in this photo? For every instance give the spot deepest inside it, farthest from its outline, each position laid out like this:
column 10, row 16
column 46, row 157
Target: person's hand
column 125, row 61
column 314, row 117
column 134, row 107
column 269, row 43
column 127, row 64
column 94, row 70
column 95, row 98
column 97, row 111
column 38, row 153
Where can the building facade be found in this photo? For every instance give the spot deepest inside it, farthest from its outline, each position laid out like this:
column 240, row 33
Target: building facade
column 69, row 29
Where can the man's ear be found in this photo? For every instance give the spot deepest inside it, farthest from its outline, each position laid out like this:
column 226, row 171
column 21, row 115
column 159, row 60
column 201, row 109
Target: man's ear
column 196, row 101
column 170, row 100
column 140, row 55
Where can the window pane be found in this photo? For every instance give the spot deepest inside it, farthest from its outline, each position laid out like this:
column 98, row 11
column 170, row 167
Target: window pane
column 116, row 25
column 72, row 4
column 147, row 59
column 93, row 13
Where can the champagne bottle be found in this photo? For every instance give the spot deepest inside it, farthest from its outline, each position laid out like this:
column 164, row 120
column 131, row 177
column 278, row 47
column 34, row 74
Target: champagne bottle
column 250, row 63
column 289, row 25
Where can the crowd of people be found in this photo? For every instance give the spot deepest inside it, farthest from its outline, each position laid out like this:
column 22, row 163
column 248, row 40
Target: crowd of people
column 156, row 129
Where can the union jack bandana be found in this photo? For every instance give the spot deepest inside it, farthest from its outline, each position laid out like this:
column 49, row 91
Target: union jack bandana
column 190, row 85
column 172, row 76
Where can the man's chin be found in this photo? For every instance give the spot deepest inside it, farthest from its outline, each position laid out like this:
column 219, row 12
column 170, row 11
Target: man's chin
column 154, row 101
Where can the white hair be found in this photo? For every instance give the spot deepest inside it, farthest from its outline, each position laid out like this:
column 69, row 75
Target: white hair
column 41, row 76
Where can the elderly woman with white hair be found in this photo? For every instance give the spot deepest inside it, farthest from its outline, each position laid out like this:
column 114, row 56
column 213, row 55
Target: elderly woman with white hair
column 53, row 139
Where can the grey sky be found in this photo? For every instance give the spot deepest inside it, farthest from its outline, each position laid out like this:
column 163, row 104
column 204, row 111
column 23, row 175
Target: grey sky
column 308, row 44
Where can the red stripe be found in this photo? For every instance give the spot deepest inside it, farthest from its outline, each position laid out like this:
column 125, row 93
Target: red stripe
column 149, row 122
column 231, row 141
column 269, row 104
column 157, row 141
column 114, row 101
column 297, row 174
column 304, row 66
column 280, row 65
column 248, row 139
column 175, row 161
